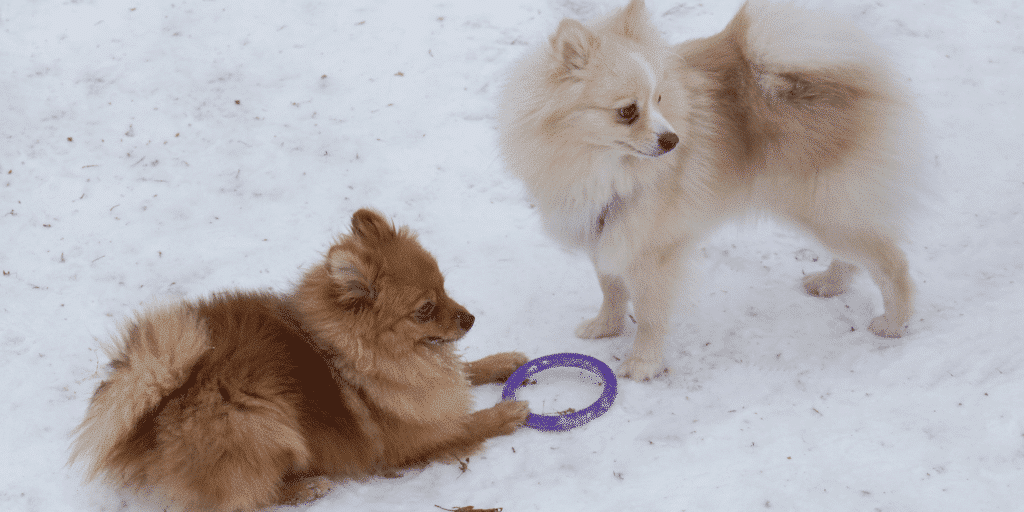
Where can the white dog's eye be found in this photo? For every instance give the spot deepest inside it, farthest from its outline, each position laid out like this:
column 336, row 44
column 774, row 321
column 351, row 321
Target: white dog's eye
column 629, row 115
column 659, row 98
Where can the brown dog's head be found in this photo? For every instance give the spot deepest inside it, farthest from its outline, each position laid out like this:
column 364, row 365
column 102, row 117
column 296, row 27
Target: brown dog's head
column 385, row 272
column 379, row 299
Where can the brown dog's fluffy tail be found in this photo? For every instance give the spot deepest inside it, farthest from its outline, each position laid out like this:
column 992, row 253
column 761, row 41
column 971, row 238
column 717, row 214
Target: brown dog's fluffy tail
column 152, row 357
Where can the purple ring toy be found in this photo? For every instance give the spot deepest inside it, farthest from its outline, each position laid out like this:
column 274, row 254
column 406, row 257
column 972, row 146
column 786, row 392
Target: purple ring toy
column 562, row 423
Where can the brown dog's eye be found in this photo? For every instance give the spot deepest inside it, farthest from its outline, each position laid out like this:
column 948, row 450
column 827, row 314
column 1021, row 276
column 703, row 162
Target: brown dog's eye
column 426, row 312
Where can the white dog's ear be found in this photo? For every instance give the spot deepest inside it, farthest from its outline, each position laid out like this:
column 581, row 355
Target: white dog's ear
column 353, row 278
column 632, row 22
column 574, row 44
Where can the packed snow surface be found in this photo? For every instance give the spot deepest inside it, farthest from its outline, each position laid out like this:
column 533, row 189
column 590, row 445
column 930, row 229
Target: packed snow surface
column 159, row 149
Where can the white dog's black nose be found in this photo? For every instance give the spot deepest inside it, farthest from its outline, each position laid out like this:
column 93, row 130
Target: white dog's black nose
column 667, row 141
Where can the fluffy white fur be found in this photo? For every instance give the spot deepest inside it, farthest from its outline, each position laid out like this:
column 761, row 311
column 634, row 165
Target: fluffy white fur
column 633, row 150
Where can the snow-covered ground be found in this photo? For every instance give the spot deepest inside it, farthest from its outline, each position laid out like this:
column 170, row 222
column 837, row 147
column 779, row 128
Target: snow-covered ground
column 166, row 148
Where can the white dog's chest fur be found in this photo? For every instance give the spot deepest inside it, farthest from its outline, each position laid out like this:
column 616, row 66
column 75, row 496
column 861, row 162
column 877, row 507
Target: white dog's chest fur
column 581, row 212
column 592, row 214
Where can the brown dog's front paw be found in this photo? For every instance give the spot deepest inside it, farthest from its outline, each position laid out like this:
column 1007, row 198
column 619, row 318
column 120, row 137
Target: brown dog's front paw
column 495, row 368
column 511, row 362
column 515, row 413
column 500, row 420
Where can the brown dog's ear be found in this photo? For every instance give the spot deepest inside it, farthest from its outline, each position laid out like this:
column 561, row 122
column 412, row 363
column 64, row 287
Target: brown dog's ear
column 370, row 226
column 354, row 278
column 574, row 44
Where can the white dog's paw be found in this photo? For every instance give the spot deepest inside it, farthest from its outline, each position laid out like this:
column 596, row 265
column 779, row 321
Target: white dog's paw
column 886, row 327
column 641, row 369
column 824, row 284
column 600, row 327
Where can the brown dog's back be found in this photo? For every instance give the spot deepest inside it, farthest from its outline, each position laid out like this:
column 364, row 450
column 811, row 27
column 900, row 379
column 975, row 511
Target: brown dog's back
column 239, row 417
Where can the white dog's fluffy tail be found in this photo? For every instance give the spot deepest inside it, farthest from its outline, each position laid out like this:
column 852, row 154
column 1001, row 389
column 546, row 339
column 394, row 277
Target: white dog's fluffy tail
column 829, row 75
column 153, row 356
column 786, row 36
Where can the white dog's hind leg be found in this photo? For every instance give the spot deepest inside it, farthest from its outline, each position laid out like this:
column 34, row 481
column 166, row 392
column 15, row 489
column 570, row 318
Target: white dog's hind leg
column 831, row 282
column 889, row 269
column 609, row 321
column 883, row 259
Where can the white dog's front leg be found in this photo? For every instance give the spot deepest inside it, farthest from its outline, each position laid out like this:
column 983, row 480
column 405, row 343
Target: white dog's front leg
column 609, row 321
column 653, row 281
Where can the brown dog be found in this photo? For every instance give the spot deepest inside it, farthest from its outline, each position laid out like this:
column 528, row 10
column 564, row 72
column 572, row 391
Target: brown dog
column 250, row 399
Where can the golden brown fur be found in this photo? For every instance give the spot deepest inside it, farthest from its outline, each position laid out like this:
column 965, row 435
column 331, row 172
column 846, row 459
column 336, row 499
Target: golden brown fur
column 244, row 400
column 633, row 150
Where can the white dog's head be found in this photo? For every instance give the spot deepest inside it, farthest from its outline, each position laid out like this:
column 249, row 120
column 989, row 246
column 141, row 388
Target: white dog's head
column 615, row 83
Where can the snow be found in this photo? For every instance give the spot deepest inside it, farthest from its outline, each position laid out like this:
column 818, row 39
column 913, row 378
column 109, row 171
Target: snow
column 171, row 148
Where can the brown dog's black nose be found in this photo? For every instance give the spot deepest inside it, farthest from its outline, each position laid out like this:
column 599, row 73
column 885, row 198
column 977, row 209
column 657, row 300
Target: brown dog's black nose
column 667, row 141
column 465, row 320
